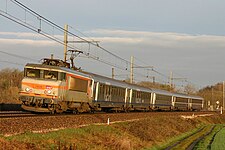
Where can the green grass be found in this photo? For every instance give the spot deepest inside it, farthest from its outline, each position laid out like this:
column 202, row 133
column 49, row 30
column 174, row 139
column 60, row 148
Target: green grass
column 184, row 144
column 219, row 141
column 89, row 137
column 204, row 144
column 159, row 132
column 171, row 141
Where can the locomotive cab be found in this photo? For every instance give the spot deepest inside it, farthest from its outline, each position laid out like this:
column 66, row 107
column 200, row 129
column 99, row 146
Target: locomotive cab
column 42, row 87
column 53, row 87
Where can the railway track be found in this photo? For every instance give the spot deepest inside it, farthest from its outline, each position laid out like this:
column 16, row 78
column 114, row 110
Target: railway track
column 25, row 114
column 8, row 114
column 19, row 114
column 13, row 112
column 16, row 115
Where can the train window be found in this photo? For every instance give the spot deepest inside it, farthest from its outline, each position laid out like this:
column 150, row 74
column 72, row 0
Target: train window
column 123, row 90
column 50, row 74
column 62, row 76
column 134, row 94
column 108, row 90
column 180, row 99
column 113, row 93
column 90, row 85
column 101, row 89
column 143, row 95
column 77, row 84
column 139, row 95
column 32, row 73
column 199, row 101
column 41, row 74
column 163, row 97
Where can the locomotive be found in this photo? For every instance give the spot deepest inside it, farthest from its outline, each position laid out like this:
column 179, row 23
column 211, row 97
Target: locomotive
column 54, row 87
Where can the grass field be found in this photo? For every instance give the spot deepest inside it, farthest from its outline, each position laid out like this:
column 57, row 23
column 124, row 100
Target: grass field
column 91, row 137
column 144, row 133
column 219, row 141
column 150, row 133
column 184, row 144
column 174, row 140
column 206, row 142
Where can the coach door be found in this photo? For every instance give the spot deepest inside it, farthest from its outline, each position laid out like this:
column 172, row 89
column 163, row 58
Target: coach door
column 107, row 92
column 127, row 97
column 96, row 90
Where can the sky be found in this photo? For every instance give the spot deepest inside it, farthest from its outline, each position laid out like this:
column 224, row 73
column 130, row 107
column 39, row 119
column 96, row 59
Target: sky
column 186, row 37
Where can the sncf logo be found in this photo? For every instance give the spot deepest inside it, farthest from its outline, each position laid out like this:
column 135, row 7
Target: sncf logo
column 48, row 87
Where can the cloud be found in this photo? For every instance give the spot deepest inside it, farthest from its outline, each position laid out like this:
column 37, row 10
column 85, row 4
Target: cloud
column 124, row 37
column 28, row 35
column 21, row 34
column 190, row 55
column 160, row 39
column 27, row 38
column 39, row 43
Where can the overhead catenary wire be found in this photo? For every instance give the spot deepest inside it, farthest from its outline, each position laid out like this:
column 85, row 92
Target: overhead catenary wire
column 8, row 62
column 161, row 74
column 82, row 34
column 60, row 41
column 93, row 43
column 14, row 19
column 187, row 80
column 17, row 20
column 18, row 56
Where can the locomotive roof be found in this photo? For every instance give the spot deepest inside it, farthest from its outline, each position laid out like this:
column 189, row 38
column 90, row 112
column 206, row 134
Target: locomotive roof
column 57, row 68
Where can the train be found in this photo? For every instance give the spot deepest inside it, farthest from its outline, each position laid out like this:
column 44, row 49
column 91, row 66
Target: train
column 54, row 87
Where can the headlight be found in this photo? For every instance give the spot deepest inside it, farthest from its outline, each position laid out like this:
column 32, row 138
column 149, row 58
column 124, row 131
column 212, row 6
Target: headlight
column 49, row 91
column 28, row 89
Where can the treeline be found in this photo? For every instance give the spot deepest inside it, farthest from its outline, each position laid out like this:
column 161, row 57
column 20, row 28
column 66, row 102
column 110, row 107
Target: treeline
column 10, row 83
column 211, row 95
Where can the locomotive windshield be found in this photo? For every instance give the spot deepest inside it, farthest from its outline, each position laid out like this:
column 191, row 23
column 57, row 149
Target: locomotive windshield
column 32, row 73
column 44, row 74
column 50, row 74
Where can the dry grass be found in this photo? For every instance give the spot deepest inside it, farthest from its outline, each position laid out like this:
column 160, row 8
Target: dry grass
column 145, row 133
